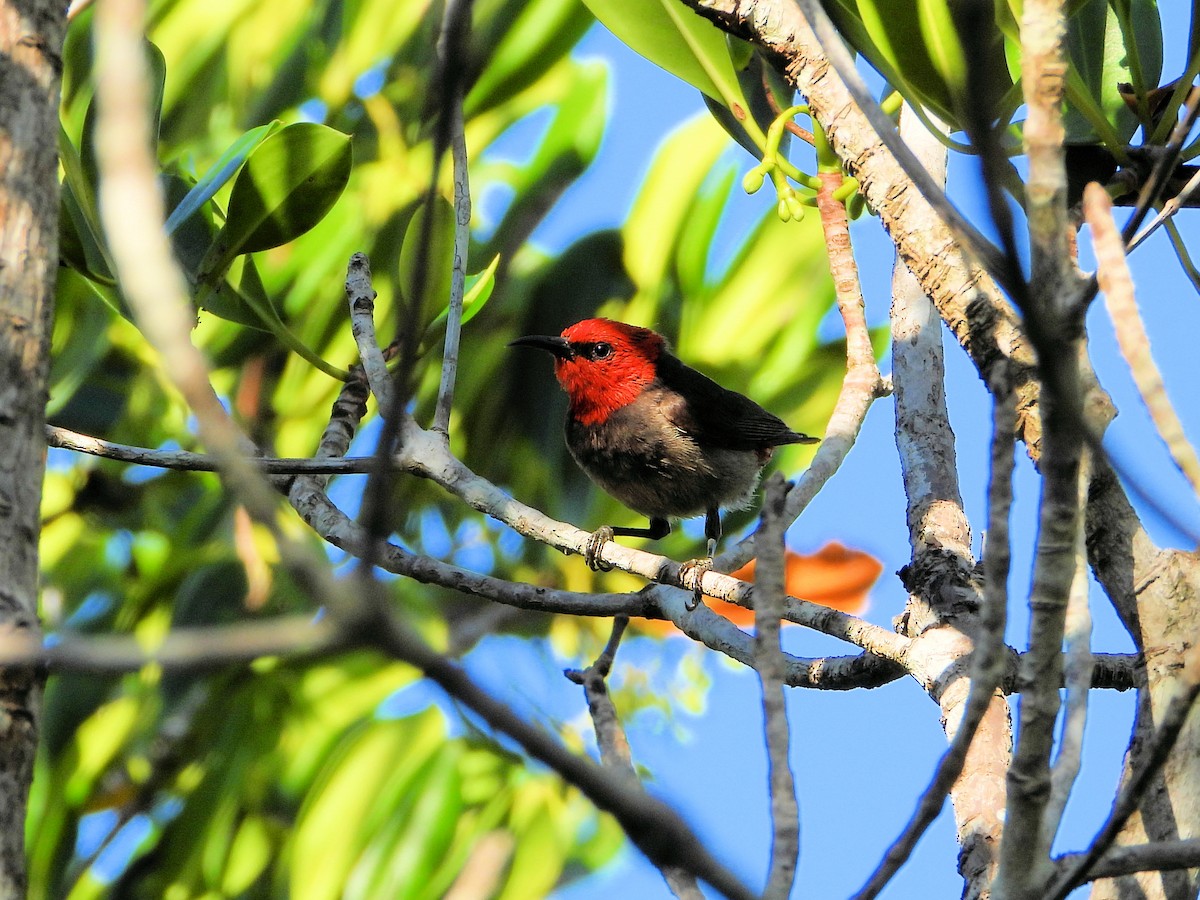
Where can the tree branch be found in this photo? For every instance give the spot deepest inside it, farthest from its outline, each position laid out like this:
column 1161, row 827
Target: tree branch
column 610, row 738
column 770, row 662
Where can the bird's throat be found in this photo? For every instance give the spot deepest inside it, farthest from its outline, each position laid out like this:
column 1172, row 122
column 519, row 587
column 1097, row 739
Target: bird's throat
column 594, row 399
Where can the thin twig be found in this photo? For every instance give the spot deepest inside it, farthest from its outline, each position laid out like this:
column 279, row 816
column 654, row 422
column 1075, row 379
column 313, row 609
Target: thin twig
column 1112, row 270
column 988, row 665
column 462, row 237
column 1163, row 167
column 451, row 69
column 182, row 650
column 131, row 207
column 861, row 386
column 1054, row 285
column 610, row 739
column 189, row 461
column 1172, row 206
column 1134, row 790
column 1160, row 856
column 1077, row 676
column 769, row 596
column 77, row 8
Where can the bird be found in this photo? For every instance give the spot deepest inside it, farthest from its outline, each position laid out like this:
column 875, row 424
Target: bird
column 664, row 439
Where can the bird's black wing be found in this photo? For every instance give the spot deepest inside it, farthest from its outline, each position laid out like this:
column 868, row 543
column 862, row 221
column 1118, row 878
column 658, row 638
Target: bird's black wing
column 720, row 417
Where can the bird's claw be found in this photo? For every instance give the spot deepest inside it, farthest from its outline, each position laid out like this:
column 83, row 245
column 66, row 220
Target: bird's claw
column 593, row 547
column 686, row 570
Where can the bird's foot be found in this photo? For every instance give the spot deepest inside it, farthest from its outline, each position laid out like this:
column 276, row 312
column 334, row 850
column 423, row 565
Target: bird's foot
column 694, row 568
column 595, row 544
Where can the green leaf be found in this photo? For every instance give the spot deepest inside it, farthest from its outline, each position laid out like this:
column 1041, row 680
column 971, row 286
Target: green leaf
column 914, row 45
column 192, row 236
column 219, row 173
column 253, row 848
column 942, row 43
column 665, row 203
column 1102, row 59
column 477, row 293
column 157, row 80
column 87, row 251
column 331, row 830
column 679, row 40
column 286, row 187
column 242, row 298
column 438, row 259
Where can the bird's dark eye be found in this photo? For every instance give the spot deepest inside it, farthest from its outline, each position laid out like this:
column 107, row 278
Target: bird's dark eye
column 601, row 351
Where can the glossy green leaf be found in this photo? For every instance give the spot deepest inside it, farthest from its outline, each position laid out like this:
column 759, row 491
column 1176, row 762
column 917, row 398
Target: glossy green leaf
column 85, row 246
column 219, row 174
column 1096, row 41
column 286, row 187
column 679, row 40
column 942, row 43
column 252, row 850
column 242, row 298
column 914, row 45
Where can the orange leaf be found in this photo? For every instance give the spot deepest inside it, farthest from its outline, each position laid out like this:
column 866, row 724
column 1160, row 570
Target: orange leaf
column 835, row 576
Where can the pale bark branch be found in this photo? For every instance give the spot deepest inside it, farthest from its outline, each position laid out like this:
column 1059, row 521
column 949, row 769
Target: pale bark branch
column 190, row 461
column 1112, row 271
column 361, row 296
column 611, row 741
column 1077, row 676
column 988, row 665
column 1131, row 794
column 462, row 238
column 940, row 577
column 1024, row 853
column 770, row 663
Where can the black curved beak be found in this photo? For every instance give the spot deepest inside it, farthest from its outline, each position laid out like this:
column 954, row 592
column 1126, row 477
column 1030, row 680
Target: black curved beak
column 559, row 346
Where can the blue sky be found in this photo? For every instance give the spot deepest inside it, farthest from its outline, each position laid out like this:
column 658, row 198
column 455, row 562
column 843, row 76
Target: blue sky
column 861, row 758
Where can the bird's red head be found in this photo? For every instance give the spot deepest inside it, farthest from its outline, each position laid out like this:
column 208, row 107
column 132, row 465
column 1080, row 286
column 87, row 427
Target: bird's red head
column 601, row 364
